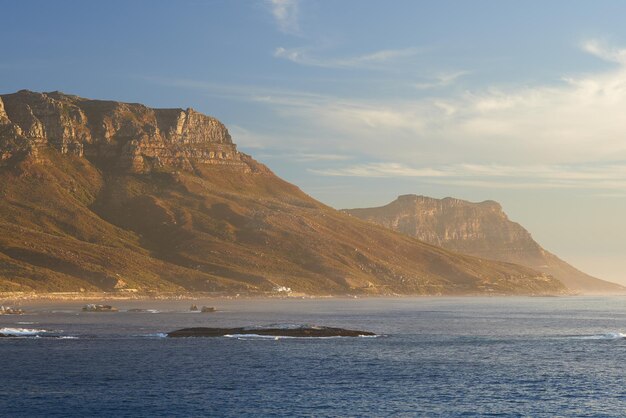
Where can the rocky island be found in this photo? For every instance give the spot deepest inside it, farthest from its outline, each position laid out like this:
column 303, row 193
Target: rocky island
column 300, row 331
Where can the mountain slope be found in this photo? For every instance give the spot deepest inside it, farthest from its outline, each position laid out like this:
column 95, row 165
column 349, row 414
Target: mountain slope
column 478, row 229
column 116, row 196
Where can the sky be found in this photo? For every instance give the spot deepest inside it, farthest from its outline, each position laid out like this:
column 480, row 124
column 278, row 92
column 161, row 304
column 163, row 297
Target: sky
column 359, row 101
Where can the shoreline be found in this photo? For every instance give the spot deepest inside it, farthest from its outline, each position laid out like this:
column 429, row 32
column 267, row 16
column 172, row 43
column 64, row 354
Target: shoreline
column 6, row 297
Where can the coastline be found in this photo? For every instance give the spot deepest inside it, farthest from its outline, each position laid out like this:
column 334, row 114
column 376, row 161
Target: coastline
column 13, row 297
column 121, row 296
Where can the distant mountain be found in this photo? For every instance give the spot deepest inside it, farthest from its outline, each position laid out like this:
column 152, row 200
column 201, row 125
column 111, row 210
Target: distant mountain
column 103, row 195
column 478, row 229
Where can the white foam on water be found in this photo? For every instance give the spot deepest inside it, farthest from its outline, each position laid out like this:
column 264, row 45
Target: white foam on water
column 150, row 311
column 287, row 337
column 256, row 336
column 155, row 335
column 609, row 336
column 22, row 332
column 26, row 323
column 283, row 326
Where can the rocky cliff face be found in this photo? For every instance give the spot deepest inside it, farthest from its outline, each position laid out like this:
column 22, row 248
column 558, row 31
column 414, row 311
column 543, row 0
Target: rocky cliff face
column 115, row 135
column 478, row 229
column 482, row 228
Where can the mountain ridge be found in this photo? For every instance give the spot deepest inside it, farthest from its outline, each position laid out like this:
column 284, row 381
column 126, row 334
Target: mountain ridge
column 103, row 195
column 481, row 229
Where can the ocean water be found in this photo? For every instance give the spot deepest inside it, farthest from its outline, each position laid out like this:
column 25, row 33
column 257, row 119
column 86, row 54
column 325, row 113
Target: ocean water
column 435, row 357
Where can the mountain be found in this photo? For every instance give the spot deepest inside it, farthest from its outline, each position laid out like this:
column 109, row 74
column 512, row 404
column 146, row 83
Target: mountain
column 478, row 229
column 103, row 195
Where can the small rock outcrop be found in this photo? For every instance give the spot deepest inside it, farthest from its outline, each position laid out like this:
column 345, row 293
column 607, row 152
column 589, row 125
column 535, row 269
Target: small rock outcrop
column 99, row 308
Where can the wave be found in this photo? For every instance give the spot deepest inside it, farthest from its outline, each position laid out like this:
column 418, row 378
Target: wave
column 609, row 336
column 254, row 336
column 22, row 332
column 273, row 337
column 155, row 335
column 150, row 311
column 286, row 337
column 35, row 333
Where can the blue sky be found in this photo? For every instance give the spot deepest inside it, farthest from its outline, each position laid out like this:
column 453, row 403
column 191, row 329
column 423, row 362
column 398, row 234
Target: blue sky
column 360, row 101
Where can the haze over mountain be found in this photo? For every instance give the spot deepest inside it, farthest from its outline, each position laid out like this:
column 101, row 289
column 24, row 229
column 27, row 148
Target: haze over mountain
column 102, row 195
column 478, row 229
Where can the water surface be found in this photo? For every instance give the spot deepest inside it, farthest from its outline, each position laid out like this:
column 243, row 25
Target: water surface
column 436, row 357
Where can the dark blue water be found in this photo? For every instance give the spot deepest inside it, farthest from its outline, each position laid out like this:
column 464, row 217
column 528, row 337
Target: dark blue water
column 438, row 357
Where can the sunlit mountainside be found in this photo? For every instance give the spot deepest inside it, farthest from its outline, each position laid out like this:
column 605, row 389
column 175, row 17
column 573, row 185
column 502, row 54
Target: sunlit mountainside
column 102, row 195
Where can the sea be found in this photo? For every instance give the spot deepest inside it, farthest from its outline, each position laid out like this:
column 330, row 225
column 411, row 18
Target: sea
column 466, row 356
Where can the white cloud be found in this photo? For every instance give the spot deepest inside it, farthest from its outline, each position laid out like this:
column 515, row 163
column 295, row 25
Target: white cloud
column 384, row 55
column 305, row 156
column 576, row 122
column 380, row 170
column 580, row 118
column 441, row 80
column 285, row 14
column 373, row 60
column 609, row 177
column 604, row 51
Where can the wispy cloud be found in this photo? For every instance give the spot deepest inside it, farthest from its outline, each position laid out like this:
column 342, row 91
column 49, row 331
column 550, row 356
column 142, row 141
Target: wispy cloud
column 608, row 177
column 303, row 157
column 285, row 13
column 604, row 51
column 379, row 170
column 244, row 92
column 582, row 172
column 577, row 119
column 441, row 80
column 576, row 122
column 371, row 60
